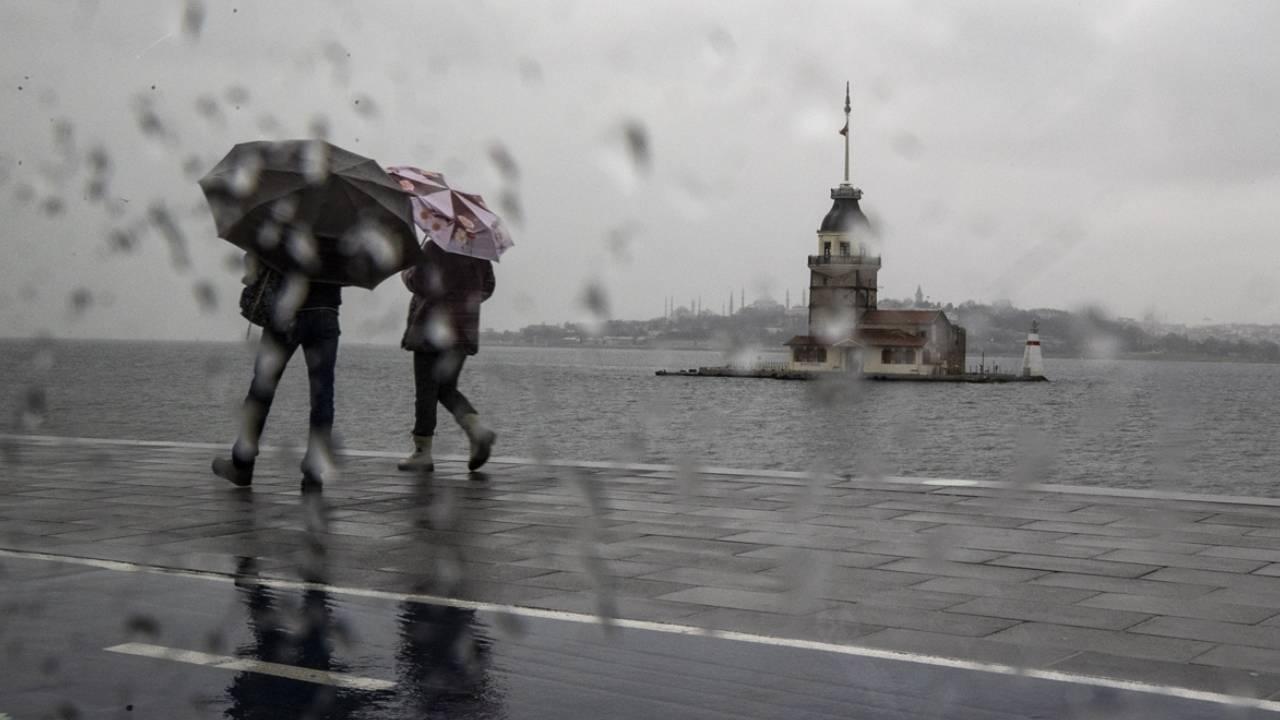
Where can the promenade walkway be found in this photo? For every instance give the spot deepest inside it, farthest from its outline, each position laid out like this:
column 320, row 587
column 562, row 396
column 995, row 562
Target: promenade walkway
column 1178, row 592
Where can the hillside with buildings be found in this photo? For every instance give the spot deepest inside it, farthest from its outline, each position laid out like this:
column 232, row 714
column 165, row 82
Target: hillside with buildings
column 997, row 329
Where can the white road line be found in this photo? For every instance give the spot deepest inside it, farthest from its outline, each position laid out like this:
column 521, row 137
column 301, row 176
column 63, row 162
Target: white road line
column 228, row 662
column 710, row 470
column 672, row 629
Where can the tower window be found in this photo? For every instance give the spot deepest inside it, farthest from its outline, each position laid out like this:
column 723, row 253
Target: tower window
column 844, row 248
column 826, row 249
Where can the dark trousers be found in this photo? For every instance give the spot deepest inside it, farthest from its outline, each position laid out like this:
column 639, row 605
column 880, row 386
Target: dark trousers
column 435, row 380
column 316, row 331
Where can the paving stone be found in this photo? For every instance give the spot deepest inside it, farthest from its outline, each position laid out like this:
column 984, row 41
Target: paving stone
column 720, row 578
column 813, row 555
column 1058, row 613
column 913, row 597
column 860, row 581
column 1252, row 659
column 1269, row 520
column 1196, row 562
column 1076, row 528
column 577, row 563
column 971, row 587
column 931, row 551
column 782, row 603
column 966, row 519
column 1226, row 551
column 718, row 548
column 1075, row 565
column 1239, row 581
column 993, row 538
column 955, row 569
column 1154, row 544
column 812, row 541
column 1212, row 631
column 1102, row 583
column 673, row 530
column 1252, row 598
column 1203, row 608
column 1111, row 642
column 671, row 558
column 944, row 622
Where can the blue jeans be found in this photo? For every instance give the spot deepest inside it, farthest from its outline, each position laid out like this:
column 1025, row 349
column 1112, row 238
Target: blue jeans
column 316, row 331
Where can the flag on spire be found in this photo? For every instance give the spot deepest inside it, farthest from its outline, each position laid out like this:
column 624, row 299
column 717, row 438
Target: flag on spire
column 845, row 130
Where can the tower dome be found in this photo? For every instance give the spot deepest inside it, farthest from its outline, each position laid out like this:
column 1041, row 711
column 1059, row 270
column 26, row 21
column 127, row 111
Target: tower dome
column 845, row 215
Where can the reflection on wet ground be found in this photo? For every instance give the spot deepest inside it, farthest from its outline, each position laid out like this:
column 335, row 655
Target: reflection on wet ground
column 104, row 639
column 253, row 651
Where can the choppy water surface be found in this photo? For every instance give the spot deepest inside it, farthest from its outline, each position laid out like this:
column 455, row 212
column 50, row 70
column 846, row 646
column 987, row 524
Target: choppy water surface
column 1203, row 427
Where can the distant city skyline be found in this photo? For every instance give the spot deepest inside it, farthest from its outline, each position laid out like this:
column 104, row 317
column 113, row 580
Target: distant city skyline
column 1055, row 154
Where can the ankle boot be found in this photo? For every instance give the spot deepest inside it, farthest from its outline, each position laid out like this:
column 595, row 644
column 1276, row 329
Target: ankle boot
column 420, row 459
column 237, row 472
column 481, row 438
column 318, row 464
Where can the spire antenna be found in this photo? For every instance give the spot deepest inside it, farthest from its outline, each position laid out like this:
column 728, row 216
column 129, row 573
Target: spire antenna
column 845, row 132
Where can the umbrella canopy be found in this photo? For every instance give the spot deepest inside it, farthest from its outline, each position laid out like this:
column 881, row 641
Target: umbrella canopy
column 457, row 221
column 307, row 207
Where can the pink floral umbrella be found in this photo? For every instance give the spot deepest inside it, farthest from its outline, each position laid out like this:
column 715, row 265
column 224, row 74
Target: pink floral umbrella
column 458, row 222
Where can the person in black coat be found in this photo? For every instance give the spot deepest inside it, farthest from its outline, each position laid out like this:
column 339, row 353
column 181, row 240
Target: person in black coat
column 443, row 329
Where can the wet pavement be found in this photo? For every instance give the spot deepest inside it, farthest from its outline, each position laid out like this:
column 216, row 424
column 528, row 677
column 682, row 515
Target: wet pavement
column 86, row 642
column 133, row 584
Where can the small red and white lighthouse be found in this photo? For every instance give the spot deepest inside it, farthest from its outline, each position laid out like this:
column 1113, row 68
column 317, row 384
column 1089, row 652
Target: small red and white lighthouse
column 1032, row 359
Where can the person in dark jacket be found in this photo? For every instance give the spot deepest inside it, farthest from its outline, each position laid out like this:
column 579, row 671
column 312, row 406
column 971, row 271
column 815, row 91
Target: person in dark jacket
column 313, row 326
column 443, row 329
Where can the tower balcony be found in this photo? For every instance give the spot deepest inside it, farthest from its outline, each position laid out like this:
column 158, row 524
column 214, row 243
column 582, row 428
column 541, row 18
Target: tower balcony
column 818, row 260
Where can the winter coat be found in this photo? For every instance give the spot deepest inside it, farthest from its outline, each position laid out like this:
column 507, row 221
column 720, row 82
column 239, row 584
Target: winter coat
column 444, row 312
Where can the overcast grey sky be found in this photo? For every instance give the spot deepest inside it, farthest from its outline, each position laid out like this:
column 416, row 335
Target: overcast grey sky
column 1051, row 153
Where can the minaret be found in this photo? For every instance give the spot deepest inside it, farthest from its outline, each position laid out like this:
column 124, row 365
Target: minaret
column 1032, row 360
column 842, row 276
column 730, row 302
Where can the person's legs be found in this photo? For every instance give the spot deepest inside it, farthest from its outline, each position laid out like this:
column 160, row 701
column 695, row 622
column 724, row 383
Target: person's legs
column 426, row 393
column 274, row 351
column 318, row 332
column 448, row 370
column 425, row 396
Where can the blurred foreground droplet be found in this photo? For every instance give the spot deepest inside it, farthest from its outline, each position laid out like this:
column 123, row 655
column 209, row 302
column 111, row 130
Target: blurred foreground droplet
column 637, row 140
column 34, row 409
column 162, row 220
column 206, row 296
column 504, row 162
column 142, row 625
column 193, row 18
column 596, row 301
column 509, row 204
column 80, row 299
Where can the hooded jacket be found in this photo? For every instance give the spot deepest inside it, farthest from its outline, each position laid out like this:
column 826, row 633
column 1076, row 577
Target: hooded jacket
column 444, row 312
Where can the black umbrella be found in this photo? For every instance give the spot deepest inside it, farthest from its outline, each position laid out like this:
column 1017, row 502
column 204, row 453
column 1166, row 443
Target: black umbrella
column 311, row 208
